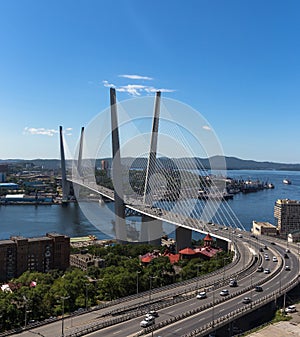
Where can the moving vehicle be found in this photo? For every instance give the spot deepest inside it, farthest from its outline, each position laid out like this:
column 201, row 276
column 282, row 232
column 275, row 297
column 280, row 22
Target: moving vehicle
column 147, row 321
column 153, row 313
column 260, row 269
column 275, row 259
column 258, row 289
column 201, row 295
column 287, row 268
column 246, row 300
column 267, row 271
column 233, row 283
column 290, row 308
column 224, row 292
column 286, row 181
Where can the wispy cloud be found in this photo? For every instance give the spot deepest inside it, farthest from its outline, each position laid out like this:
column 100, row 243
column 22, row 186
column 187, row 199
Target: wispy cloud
column 137, row 77
column 43, row 131
column 135, row 89
column 107, row 84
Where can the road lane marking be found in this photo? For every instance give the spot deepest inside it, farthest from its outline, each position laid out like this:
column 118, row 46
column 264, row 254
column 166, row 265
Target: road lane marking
column 116, row 332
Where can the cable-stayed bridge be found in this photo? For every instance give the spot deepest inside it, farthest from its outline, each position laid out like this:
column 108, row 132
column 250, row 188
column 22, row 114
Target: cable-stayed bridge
column 163, row 189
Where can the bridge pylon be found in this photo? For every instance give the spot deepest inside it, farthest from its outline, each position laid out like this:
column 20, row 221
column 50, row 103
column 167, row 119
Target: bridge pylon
column 121, row 233
column 64, row 182
column 79, row 161
column 151, row 229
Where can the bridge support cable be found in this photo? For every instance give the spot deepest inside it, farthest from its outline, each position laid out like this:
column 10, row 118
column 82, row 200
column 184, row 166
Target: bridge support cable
column 64, row 182
column 120, row 228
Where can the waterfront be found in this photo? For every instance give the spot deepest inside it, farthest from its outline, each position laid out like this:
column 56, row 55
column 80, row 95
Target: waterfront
column 33, row 220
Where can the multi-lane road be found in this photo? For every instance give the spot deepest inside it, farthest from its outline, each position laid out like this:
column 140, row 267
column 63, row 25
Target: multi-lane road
column 180, row 312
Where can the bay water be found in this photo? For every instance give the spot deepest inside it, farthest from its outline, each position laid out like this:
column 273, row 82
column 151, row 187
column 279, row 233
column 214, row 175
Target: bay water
column 34, row 221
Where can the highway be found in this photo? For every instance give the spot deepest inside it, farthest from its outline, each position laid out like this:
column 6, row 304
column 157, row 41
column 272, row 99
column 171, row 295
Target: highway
column 163, row 299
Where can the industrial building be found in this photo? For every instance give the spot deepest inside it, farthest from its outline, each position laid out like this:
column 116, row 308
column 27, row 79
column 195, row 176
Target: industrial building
column 19, row 254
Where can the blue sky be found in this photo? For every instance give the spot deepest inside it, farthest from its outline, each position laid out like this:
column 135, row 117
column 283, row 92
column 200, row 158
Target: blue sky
column 236, row 62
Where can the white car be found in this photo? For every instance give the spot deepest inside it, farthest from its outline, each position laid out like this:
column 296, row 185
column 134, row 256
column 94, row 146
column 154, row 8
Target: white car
column 201, row 295
column 275, row 259
column 147, row 321
column 290, row 308
column 224, row 292
column 267, row 271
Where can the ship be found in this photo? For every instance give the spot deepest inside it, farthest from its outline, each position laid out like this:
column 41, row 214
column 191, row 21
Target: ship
column 286, row 181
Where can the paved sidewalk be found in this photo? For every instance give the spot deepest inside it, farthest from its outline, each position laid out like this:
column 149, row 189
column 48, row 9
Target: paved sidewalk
column 289, row 328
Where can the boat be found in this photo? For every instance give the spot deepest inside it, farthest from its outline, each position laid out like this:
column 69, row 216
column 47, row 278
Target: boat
column 286, row 181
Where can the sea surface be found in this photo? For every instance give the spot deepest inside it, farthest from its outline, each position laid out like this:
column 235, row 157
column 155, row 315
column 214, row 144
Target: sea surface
column 32, row 221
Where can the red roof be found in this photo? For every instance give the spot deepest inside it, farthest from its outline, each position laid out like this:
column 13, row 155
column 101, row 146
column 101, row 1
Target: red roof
column 187, row 251
column 208, row 237
column 173, row 257
column 147, row 259
column 209, row 252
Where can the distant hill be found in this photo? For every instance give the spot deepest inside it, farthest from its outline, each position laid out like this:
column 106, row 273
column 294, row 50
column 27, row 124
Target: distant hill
column 232, row 163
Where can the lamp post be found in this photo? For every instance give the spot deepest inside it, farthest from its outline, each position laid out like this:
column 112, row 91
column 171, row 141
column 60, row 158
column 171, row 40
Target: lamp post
column 137, row 281
column 86, row 296
column 224, row 259
column 63, row 298
column 213, row 306
column 150, row 279
column 198, row 266
column 26, row 311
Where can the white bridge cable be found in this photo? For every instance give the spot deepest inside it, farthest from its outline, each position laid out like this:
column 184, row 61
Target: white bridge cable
column 221, row 209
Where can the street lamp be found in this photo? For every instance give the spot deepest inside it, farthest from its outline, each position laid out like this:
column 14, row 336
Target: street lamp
column 198, row 266
column 137, row 281
column 26, row 311
column 150, row 279
column 63, row 298
column 86, row 296
column 224, row 259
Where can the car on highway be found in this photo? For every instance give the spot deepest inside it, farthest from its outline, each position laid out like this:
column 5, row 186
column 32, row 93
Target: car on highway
column 267, row 271
column 240, row 235
column 258, row 289
column 275, row 259
column 286, row 256
column 287, row 250
column 246, row 300
column 147, row 321
column 201, row 295
column 287, row 268
column 267, row 258
column 224, row 292
column 233, row 283
column 290, row 308
column 153, row 313
column 273, row 243
column 260, row 269
column 260, row 249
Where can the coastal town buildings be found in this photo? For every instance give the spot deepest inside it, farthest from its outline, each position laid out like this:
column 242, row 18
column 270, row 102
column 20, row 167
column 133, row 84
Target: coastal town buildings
column 263, row 228
column 287, row 216
column 19, row 254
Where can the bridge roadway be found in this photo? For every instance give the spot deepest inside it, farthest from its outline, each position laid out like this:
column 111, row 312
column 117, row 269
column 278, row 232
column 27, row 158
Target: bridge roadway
column 136, row 205
column 276, row 281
